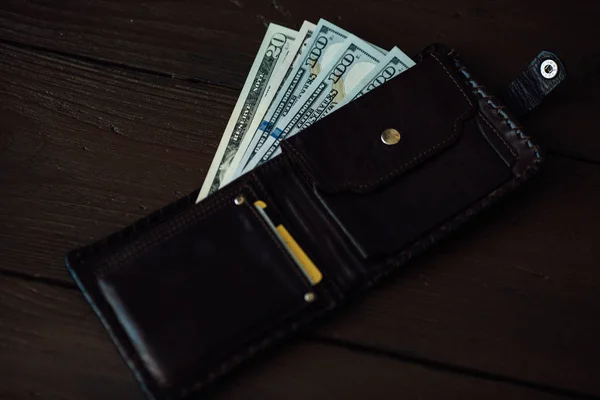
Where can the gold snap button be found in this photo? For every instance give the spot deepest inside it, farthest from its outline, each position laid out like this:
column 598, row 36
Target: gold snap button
column 239, row 200
column 390, row 136
column 310, row 297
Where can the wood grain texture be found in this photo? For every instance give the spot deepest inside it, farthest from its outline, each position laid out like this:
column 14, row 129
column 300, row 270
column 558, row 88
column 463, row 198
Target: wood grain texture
column 213, row 41
column 216, row 41
column 85, row 150
column 110, row 109
column 517, row 293
column 53, row 347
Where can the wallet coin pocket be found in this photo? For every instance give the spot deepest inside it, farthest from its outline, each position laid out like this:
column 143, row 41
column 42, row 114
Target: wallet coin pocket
column 383, row 222
column 408, row 155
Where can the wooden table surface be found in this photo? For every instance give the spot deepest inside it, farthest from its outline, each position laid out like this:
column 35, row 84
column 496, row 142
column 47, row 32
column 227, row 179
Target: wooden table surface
column 112, row 108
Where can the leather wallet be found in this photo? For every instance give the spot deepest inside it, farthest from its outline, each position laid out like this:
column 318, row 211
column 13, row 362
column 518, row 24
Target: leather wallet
column 193, row 290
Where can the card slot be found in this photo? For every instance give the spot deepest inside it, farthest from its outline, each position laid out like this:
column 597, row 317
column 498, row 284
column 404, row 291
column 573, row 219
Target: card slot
column 189, row 303
column 296, row 251
column 285, row 190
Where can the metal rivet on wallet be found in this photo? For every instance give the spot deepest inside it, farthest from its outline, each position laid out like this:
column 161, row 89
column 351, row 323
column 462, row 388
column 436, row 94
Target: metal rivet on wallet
column 239, row 200
column 549, row 69
column 390, row 136
column 310, row 297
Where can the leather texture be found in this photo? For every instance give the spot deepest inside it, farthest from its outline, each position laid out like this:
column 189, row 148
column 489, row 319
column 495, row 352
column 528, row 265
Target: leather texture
column 530, row 87
column 192, row 291
column 263, row 294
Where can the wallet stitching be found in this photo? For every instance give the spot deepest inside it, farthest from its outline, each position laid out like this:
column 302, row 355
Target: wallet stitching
column 499, row 110
column 211, row 209
column 512, row 151
column 115, row 262
column 453, row 79
column 149, row 221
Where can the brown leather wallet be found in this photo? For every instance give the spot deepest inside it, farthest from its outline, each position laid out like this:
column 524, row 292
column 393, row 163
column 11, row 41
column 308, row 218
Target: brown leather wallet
column 193, row 290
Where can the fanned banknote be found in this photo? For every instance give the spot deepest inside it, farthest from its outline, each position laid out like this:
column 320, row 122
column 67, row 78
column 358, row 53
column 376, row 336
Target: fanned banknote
column 321, row 49
column 254, row 138
column 356, row 60
column 275, row 46
column 393, row 64
column 296, row 79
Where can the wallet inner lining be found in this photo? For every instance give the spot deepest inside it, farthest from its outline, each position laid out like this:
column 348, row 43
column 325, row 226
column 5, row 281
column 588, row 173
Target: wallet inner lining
column 206, row 293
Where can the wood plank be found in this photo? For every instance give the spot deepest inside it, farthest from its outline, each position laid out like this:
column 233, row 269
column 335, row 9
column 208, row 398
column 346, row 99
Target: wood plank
column 53, row 347
column 86, row 150
column 217, row 41
column 211, row 41
column 515, row 294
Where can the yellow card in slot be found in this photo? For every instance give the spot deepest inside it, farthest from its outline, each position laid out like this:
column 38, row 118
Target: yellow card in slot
column 308, row 267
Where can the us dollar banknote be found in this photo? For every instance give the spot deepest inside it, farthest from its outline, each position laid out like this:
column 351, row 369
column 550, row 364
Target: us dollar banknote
column 253, row 139
column 393, row 64
column 353, row 63
column 274, row 45
column 323, row 46
column 347, row 77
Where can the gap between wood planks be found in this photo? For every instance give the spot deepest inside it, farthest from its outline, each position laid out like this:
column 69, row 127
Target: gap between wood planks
column 107, row 63
column 394, row 354
column 457, row 369
column 453, row 369
column 42, row 317
column 39, row 279
column 69, row 285
column 190, row 80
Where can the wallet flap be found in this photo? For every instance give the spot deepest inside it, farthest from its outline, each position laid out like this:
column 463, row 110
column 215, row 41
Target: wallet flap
column 426, row 105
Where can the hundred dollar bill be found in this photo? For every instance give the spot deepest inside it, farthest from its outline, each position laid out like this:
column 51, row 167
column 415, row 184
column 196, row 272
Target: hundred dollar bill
column 253, row 139
column 393, row 64
column 321, row 49
column 341, row 84
column 275, row 41
column 356, row 61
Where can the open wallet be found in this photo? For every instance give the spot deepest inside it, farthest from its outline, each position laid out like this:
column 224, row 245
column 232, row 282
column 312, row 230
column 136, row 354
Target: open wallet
column 193, row 290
